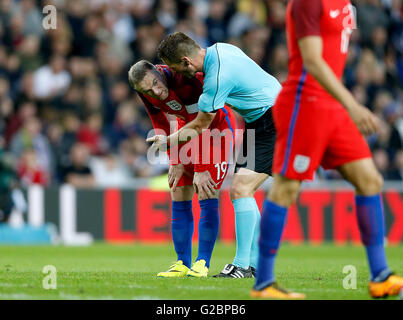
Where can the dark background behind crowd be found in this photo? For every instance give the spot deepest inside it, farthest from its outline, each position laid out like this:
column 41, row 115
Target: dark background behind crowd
column 67, row 113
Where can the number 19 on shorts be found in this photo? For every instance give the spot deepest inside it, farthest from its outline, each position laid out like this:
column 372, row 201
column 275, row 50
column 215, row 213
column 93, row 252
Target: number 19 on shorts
column 221, row 170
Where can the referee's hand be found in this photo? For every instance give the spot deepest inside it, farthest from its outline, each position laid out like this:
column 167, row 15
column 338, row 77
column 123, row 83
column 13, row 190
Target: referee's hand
column 159, row 142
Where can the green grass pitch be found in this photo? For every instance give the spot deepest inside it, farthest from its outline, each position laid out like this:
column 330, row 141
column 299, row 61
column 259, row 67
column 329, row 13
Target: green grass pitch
column 104, row 271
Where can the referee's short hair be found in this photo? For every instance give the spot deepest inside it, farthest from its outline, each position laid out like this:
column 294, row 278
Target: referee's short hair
column 175, row 46
column 138, row 71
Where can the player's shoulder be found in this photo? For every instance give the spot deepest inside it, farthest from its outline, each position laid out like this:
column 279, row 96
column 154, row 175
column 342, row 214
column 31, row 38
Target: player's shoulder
column 305, row 6
column 305, row 3
column 174, row 80
column 220, row 57
column 165, row 70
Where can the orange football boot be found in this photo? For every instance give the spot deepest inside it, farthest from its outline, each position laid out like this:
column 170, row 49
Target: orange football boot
column 274, row 291
column 390, row 287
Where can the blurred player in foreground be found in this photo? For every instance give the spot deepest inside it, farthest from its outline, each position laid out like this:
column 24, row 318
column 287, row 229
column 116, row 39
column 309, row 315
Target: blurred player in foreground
column 319, row 122
column 163, row 91
column 231, row 78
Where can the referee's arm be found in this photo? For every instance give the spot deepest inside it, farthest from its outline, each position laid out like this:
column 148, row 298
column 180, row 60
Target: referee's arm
column 192, row 129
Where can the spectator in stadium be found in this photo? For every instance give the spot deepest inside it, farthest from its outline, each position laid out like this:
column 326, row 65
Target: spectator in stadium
column 4, row 88
column 370, row 16
column 30, row 171
column 167, row 13
column 30, row 137
column 397, row 169
column 6, row 111
column 381, row 161
column 91, row 100
column 90, row 133
column 71, row 124
column 16, row 119
column 55, row 133
column 29, row 54
column 125, row 124
column 117, row 94
column 216, row 22
column 32, row 18
column 71, row 101
column 278, row 64
column 51, row 80
column 135, row 160
column 392, row 114
column 110, row 171
column 78, row 172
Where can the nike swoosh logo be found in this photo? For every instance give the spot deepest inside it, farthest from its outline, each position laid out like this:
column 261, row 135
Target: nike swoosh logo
column 334, row 13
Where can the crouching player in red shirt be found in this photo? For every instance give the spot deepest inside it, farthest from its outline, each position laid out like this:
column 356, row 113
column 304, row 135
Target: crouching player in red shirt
column 200, row 164
column 319, row 122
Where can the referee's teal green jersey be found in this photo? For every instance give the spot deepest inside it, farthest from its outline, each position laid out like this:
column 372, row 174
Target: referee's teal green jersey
column 231, row 77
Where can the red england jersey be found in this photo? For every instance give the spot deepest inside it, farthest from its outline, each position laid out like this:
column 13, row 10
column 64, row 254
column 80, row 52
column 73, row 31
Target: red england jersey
column 182, row 100
column 333, row 21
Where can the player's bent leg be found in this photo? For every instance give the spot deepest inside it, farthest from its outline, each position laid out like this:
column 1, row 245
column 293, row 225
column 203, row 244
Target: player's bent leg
column 245, row 182
column 202, row 197
column 282, row 194
column 208, row 231
column 209, row 206
column 183, row 193
column 182, row 226
column 368, row 183
column 284, row 191
column 247, row 217
column 364, row 176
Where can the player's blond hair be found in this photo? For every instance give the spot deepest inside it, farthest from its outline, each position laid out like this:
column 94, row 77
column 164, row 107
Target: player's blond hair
column 138, row 71
column 175, row 46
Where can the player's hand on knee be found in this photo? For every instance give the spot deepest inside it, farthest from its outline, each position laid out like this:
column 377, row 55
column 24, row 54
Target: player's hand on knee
column 174, row 174
column 204, row 184
column 365, row 120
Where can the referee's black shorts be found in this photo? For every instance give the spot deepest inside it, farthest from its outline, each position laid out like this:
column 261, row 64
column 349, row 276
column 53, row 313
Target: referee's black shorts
column 257, row 150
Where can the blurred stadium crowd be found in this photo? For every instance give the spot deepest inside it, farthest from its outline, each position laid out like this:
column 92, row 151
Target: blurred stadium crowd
column 67, row 112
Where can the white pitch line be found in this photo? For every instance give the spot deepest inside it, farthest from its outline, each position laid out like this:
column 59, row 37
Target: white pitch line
column 146, row 298
column 17, row 296
column 13, row 285
column 68, row 296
